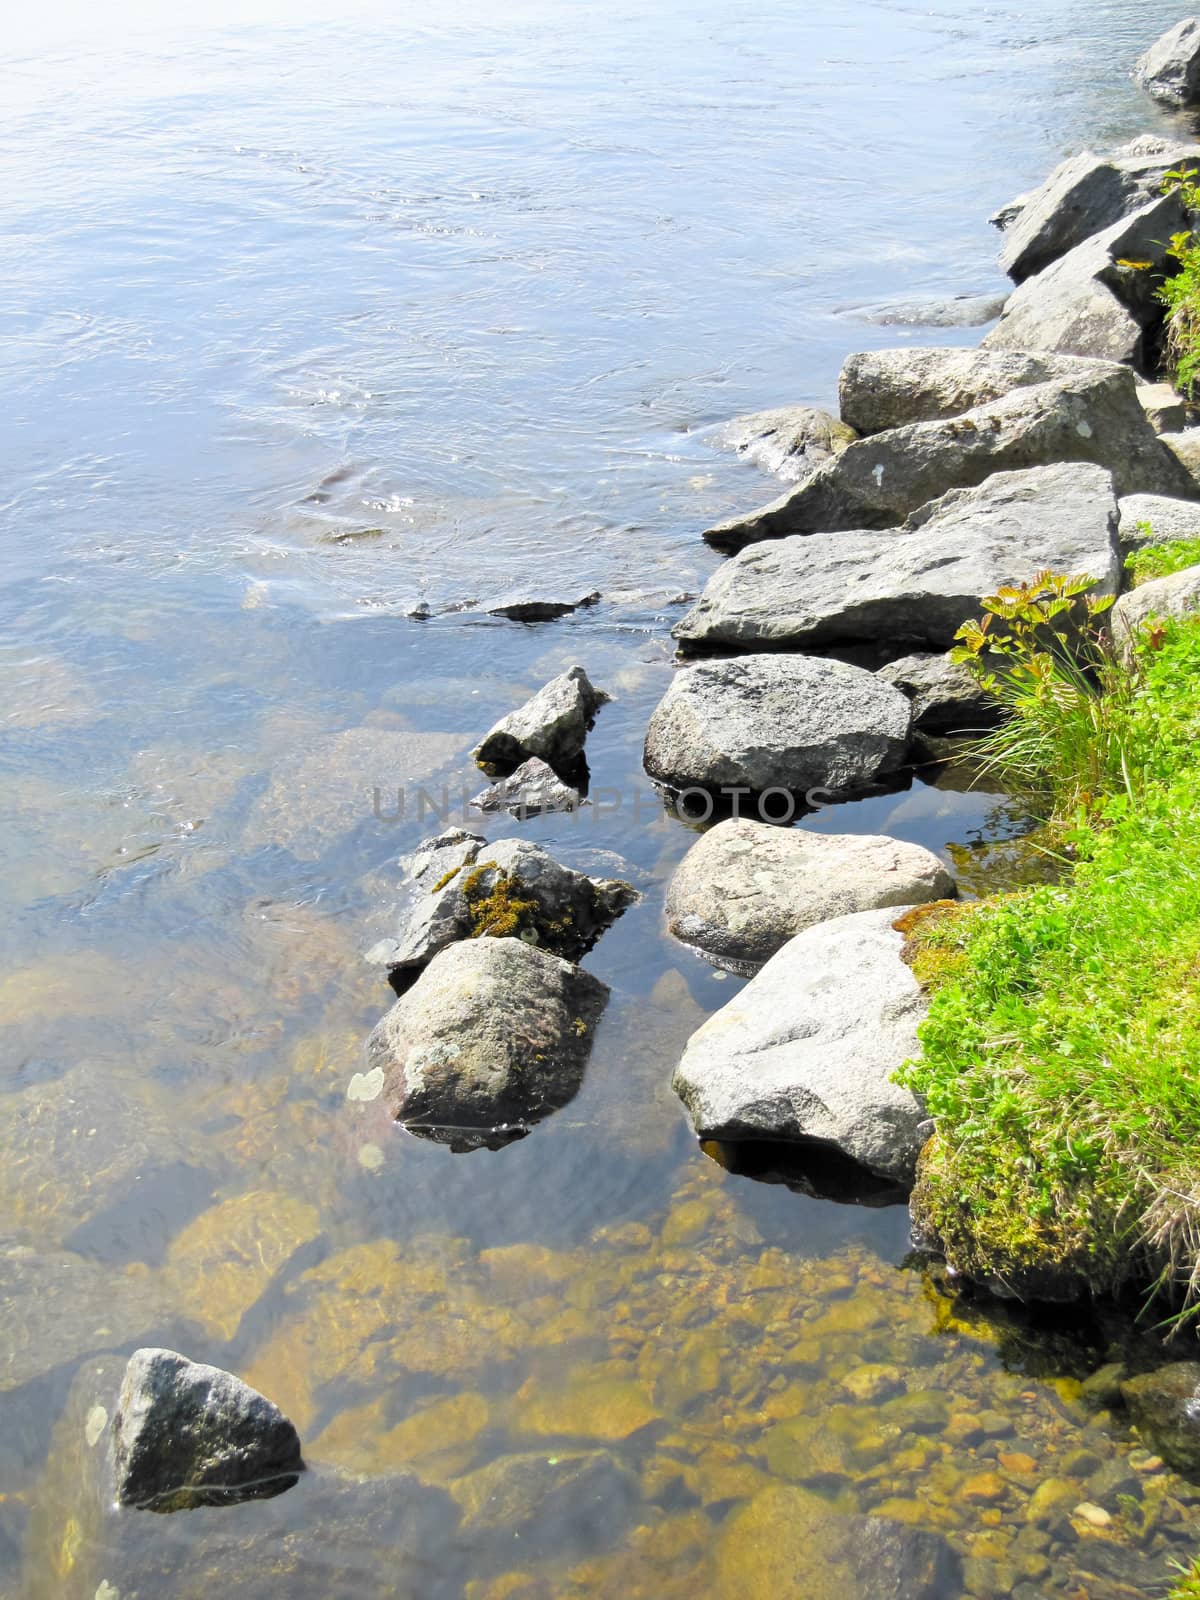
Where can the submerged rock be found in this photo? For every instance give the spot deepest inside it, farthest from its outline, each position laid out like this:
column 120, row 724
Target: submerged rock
column 1175, row 596
column 878, row 482
column 510, row 889
column 916, row 586
column 791, row 441
column 1100, row 299
column 1082, row 197
column 946, row 699
column 493, row 1037
column 1170, row 70
column 1157, row 519
column 553, row 725
column 745, row 888
column 881, row 389
column 767, row 721
column 1166, row 1407
column 807, row 1050
column 932, row 311
column 789, row 1541
column 532, row 1496
column 541, row 608
column 186, row 1435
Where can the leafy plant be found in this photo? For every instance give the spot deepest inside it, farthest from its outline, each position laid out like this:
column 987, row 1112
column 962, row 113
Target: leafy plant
column 1161, row 560
column 1180, row 294
column 1040, row 652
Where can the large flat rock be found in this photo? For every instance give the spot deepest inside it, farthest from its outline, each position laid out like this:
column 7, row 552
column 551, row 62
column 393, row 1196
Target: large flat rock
column 807, row 1050
column 760, row 722
column 881, row 389
column 913, row 587
column 1090, row 302
column 876, row 483
column 745, row 888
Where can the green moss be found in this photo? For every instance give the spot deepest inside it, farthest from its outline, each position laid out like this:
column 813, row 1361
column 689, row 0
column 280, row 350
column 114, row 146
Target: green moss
column 498, row 912
column 445, row 879
column 1161, row 560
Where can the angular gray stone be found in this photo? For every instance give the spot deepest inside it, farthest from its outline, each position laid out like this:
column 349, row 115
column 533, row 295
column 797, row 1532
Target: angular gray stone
column 531, row 789
column 876, row 483
column 1086, row 303
column 565, row 911
column 493, row 1037
column 1185, row 447
column 932, row 311
column 881, row 389
column 1082, row 197
column 1173, row 597
column 186, row 1434
column 1170, row 70
column 1166, row 410
column 553, row 725
column 541, row 608
column 745, row 888
column 770, row 721
column 915, row 586
column 790, row 441
column 1167, row 520
column 946, row 699
column 807, row 1050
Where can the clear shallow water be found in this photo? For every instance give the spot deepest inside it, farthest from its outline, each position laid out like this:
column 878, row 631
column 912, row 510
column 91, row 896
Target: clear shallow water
column 474, row 287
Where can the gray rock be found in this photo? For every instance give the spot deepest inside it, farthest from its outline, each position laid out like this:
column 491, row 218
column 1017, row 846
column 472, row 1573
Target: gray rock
column 807, row 1050
column 552, row 725
column 946, row 699
column 1185, row 447
column 531, row 789
column 1087, row 303
column 1157, row 519
column 541, row 608
column 186, row 1435
column 543, row 902
column 1165, row 1405
column 790, row 441
column 1173, row 597
column 745, row 888
column 1170, row 70
column 533, row 1495
column 881, row 389
column 876, row 483
column 932, row 311
column 916, row 586
column 493, row 1037
column 1166, row 410
column 1082, row 197
column 769, row 721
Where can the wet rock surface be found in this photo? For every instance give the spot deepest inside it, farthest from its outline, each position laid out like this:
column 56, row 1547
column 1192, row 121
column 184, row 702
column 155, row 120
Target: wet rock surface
column 807, row 1050
column 493, row 1037
column 882, row 389
column 1087, row 303
column 760, row 722
column 746, row 888
column 1165, row 1405
column 541, row 608
column 1170, row 70
column 791, row 441
column 531, row 789
column 466, row 888
column 880, row 481
column 186, row 1434
column 552, row 725
column 916, row 587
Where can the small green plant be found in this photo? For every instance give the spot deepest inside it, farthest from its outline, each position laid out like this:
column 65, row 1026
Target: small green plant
column 1180, row 294
column 1161, row 560
column 1040, row 652
column 1187, row 1585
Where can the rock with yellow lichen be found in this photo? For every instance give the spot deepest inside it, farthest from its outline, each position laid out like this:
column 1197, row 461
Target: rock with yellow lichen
column 493, row 1037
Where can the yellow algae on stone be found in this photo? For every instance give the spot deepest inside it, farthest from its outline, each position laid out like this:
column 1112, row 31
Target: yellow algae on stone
column 589, row 1405
column 784, row 1542
column 350, row 1439
column 437, row 1442
column 220, row 1264
column 525, row 1270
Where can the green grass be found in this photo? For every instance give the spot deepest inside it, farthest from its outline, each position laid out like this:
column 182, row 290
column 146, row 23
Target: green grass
column 1161, row 560
column 1187, row 1587
column 1061, row 1054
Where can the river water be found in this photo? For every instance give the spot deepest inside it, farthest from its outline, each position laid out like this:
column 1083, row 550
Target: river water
column 310, row 319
